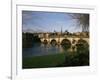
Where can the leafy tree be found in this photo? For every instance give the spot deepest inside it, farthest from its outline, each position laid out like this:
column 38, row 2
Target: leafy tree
column 82, row 21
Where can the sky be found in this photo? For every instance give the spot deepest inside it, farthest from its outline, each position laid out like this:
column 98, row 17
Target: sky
column 37, row 21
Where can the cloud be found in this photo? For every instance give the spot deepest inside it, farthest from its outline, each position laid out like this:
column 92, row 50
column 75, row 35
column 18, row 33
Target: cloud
column 32, row 28
column 34, row 21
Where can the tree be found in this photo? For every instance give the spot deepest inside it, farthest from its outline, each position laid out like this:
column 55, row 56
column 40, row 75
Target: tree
column 82, row 21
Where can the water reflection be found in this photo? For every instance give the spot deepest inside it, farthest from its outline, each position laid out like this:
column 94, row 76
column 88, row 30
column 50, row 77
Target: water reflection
column 42, row 49
column 45, row 49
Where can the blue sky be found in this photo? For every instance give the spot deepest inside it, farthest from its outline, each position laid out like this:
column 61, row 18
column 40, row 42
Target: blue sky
column 36, row 21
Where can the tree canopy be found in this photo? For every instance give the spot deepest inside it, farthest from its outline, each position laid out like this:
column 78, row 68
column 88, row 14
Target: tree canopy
column 82, row 20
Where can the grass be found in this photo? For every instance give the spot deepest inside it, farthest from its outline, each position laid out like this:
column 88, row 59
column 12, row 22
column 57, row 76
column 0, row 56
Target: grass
column 66, row 59
column 44, row 61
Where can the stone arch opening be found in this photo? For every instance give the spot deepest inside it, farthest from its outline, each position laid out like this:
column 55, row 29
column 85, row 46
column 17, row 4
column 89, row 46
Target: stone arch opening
column 66, row 44
column 53, row 42
column 73, row 41
column 45, row 42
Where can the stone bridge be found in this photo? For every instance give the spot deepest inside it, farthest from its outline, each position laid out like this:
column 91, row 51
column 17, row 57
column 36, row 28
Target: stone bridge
column 59, row 40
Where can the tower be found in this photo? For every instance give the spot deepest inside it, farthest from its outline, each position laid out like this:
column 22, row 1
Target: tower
column 61, row 30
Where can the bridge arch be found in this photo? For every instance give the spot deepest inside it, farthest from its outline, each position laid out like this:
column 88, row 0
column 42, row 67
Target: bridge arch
column 59, row 41
column 66, row 43
column 53, row 42
column 45, row 41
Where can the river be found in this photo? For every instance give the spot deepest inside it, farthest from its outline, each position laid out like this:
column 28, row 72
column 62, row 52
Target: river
column 39, row 50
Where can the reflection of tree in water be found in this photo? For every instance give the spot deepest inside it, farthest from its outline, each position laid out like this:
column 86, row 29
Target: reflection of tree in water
column 29, row 40
column 66, row 44
column 36, row 41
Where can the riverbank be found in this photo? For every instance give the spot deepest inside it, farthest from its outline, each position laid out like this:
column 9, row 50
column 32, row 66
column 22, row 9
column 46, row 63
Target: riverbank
column 57, row 60
column 43, row 61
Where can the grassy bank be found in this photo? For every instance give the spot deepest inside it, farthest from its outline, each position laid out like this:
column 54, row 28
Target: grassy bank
column 57, row 60
column 43, row 61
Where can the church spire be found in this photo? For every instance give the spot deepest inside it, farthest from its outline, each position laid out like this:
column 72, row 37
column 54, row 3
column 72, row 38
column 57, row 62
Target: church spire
column 61, row 30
